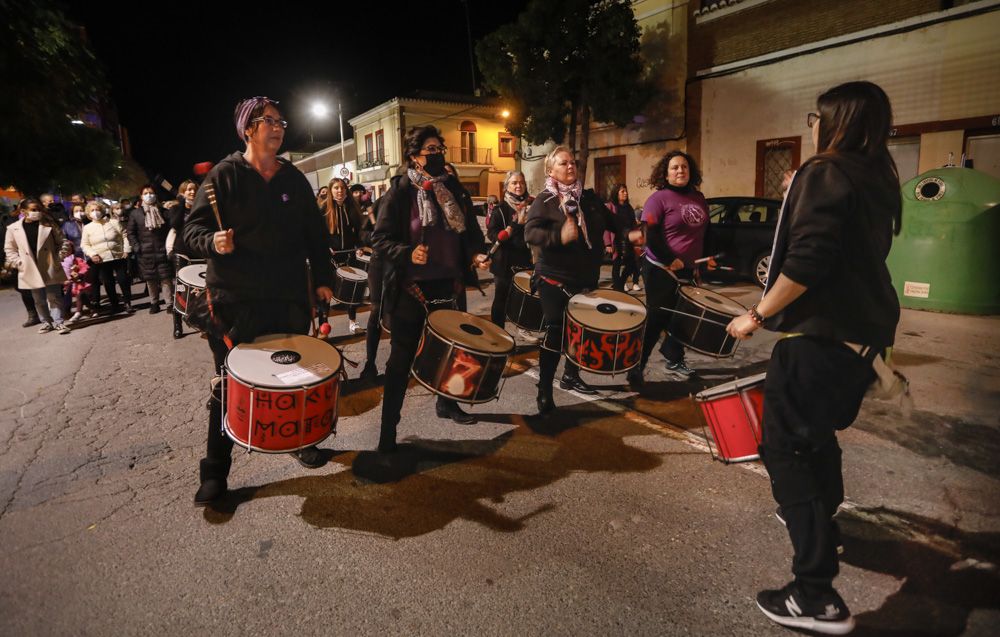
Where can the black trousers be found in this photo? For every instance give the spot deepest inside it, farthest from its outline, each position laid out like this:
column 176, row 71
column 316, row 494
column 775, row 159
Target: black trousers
column 554, row 302
column 501, row 292
column 625, row 264
column 251, row 319
column 29, row 302
column 110, row 273
column 374, row 333
column 407, row 325
column 814, row 388
column 661, row 292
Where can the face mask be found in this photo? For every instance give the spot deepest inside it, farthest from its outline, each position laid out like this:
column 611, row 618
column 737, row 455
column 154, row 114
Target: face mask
column 435, row 164
column 78, row 216
column 33, row 215
column 96, row 215
column 149, row 199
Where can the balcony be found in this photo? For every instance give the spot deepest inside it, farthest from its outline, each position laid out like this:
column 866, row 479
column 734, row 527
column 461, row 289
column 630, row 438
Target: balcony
column 471, row 155
column 372, row 160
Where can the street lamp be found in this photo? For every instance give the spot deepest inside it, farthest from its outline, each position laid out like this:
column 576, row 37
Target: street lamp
column 505, row 113
column 319, row 110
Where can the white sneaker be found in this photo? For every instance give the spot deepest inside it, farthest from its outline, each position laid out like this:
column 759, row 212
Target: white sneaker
column 46, row 327
column 528, row 337
column 636, row 286
column 354, row 328
column 62, row 328
column 73, row 319
column 628, row 287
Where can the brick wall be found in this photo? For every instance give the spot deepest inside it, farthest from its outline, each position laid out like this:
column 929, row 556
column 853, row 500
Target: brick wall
column 781, row 24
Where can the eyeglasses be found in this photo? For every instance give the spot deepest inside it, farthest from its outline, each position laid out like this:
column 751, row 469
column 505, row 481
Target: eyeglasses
column 432, row 150
column 270, row 121
column 811, row 119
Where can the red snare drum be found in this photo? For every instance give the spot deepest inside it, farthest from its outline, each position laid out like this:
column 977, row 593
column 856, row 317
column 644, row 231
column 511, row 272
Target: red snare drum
column 734, row 413
column 462, row 356
column 281, row 392
column 604, row 331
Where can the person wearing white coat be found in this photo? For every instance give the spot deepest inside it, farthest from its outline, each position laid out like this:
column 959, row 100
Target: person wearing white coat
column 105, row 243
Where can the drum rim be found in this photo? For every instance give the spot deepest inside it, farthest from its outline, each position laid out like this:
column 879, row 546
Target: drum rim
column 428, row 326
column 334, row 375
column 200, row 267
column 353, row 269
column 528, row 292
column 730, row 388
column 245, row 445
column 681, row 293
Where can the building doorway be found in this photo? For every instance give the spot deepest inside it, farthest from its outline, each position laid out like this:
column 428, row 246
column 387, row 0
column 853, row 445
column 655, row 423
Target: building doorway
column 608, row 171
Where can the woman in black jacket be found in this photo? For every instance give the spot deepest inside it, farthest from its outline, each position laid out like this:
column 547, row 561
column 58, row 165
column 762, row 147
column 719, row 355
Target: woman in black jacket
column 343, row 223
column 148, row 226
column 509, row 217
column 429, row 241
column 179, row 213
column 829, row 286
column 567, row 224
column 625, row 263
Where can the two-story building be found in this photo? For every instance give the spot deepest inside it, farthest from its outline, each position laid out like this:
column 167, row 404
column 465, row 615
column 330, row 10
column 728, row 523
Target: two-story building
column 338, row 160
column 478, row 143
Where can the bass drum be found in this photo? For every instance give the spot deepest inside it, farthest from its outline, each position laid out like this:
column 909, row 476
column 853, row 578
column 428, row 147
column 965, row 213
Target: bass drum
column 350, row 285
column 524, row 307
column 462, row 356
column 700, row 318
column 604, row 331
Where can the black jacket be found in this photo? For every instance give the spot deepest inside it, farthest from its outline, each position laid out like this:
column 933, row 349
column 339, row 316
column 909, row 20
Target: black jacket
column 150, row 246
column 349, row 222
column 391, row 238
column 514, row 252
column 574, row 263
column 276, row 228
column 833, row 237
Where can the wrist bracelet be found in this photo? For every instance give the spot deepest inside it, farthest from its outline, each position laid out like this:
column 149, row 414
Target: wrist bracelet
column 756, row 316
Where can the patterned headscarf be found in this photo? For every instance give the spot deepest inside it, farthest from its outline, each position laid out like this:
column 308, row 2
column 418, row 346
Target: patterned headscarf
column 241, row 116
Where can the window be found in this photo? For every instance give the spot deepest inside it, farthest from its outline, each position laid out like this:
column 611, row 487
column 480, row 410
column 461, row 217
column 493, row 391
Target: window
column 369, row 147
column 380, row 145
column 775, row 157
column 906, row 153
column 984, row 151
column 507, row 144
column 468, row 146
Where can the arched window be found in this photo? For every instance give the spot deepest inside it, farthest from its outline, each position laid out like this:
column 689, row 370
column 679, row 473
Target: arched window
column 468, row 146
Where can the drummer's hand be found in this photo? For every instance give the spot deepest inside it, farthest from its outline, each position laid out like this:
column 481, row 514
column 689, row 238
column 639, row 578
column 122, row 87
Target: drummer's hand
column 419, row 255
column 324, row 293
column 676, row 265
column 569, row 232
column 481, row 261
column 711, row 264
column 609, row 249
column 742, row 327
column 222, row 241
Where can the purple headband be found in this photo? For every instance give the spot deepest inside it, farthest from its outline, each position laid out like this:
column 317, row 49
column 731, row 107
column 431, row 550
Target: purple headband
column 243, row 110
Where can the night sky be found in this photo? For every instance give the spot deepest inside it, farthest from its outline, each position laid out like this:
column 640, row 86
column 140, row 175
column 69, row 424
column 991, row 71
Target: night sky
column 177, row 74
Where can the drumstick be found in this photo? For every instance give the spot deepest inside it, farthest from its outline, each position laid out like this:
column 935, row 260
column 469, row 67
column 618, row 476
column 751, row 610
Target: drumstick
column 707, row 259
column 210, row 192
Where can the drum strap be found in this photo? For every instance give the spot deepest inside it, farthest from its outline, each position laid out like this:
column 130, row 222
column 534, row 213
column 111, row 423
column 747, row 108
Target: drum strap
column 556, row 284
column 414, row 290
column 211, row 313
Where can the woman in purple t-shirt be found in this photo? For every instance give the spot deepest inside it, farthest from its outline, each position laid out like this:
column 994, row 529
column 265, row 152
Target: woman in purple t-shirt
column 676, row 217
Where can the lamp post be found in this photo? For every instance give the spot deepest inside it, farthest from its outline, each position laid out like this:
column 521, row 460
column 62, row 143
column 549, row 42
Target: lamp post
column 319, row 110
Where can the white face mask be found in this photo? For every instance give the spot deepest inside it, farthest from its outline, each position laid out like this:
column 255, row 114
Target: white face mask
column 78, row 216
column 96, row 215
column 33, row 215
column 149, row 199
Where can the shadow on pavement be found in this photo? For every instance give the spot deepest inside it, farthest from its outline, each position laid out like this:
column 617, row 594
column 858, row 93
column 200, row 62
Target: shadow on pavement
column 427, row 485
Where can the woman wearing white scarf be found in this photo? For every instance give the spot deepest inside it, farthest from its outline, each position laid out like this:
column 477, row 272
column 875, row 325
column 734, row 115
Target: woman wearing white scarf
column 147, row 235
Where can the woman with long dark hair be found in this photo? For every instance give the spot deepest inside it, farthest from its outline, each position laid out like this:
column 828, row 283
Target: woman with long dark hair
column 625, row 264
column 829, row 288
column 343, row 223
column 676, row 218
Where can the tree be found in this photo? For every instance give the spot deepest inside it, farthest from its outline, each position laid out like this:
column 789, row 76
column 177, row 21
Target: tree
column 563, row 64
column 49, row 76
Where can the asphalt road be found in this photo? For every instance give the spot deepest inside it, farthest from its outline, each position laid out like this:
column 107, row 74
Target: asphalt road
column 607, row 517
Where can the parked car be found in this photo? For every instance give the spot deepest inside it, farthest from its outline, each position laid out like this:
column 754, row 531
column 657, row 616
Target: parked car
column 742, row 231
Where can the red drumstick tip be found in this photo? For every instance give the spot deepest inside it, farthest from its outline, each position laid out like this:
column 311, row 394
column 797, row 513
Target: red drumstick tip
column 324, row 329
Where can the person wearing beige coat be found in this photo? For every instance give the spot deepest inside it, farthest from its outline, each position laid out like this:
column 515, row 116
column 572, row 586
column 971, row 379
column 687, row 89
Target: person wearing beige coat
column 33, row 246
column 105, row 243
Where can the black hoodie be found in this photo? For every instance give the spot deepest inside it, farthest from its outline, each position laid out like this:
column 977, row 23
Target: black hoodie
column 276, row 229
column 833, row 237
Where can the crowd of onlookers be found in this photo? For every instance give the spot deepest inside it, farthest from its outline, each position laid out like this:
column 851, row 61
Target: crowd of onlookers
column 61, row 255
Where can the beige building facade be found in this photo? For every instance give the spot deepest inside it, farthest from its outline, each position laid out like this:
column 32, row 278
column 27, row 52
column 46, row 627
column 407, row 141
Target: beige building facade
column 323, row 165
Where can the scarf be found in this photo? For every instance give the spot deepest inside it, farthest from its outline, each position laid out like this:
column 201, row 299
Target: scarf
column 516, row 202
column 570, row 195
column 453, row 214
column 153, row 218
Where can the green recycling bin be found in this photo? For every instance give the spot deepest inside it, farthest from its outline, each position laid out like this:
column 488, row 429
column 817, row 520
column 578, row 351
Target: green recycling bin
column 947, row 256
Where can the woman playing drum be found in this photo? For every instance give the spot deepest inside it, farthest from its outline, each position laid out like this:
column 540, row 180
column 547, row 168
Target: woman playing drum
column 506, row 225
column 343, row 223
column 567, row 224
column 430, row 243
column 828, row 285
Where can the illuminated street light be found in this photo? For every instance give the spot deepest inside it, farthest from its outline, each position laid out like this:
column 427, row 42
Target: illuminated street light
column 505, row 113
column 320, row 110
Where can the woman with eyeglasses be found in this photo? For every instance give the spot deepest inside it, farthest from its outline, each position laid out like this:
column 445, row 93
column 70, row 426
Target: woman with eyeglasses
column 567, row 224
column 506, row 225
column 343, row 223
column 430, row 243
column 830, row 288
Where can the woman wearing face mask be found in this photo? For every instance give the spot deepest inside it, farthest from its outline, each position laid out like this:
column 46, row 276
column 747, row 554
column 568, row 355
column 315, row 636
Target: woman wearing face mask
column 509, row 217
column 10, row 218
column 72, row 228
column 35, row 245
column 343, row 222
column 567, row 224
column 676, row 218
column 429, row 239
column 185, row 199
column 147, row 231
column 106, row 246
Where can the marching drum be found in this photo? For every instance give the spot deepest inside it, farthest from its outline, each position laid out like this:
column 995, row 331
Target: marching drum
column 364, row 260
column 350, row 285
column 524, row 308
column 734, row 413
column 189, row 288
column 280, row 392
column 604, row 331
column 700, row 318
column 462, row 356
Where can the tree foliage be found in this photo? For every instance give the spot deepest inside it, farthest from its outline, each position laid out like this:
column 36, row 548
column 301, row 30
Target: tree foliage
column 50, row 75
column 562, row 64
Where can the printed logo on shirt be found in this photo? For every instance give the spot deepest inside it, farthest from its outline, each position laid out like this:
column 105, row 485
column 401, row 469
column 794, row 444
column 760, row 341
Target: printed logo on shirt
column 284, row 197
column 693, row 215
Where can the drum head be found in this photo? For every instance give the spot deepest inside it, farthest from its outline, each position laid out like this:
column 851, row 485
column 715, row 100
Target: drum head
column 279, row 361
column 350, row 273
column 193, row 275
column 470, row 332
column 712, row 300
column 607, row 310
column 523, row 282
